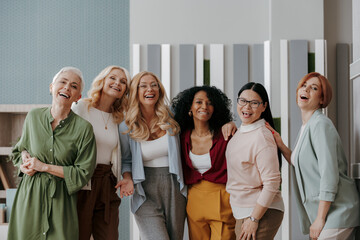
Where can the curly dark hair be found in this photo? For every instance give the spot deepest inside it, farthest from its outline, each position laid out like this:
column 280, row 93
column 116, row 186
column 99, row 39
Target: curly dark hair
column 181, row 105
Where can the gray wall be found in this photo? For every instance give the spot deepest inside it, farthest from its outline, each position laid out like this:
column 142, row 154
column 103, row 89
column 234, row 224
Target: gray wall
column 201, row 21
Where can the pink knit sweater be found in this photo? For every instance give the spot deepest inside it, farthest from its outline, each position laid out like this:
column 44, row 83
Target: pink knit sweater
column 253, row 167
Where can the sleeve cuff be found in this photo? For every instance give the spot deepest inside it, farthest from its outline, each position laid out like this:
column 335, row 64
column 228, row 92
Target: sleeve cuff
column 327, row 196
column 125, row 168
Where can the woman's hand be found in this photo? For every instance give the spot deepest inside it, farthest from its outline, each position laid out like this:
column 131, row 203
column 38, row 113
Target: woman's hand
column 25, row 156
column 35, row 164
column 280, row 144
column 316, row 228
column 126, row 187
column 277, row 137
column 248, row 230
column 24, row 168
column 229, row 129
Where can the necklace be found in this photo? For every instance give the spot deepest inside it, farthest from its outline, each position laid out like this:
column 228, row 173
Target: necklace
column 207, row 133
column 107, row 121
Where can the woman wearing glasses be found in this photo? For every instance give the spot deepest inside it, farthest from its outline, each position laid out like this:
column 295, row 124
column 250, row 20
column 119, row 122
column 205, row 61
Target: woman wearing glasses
column 201, row 113
column 253, row 168
column 151, row 151
column 327, row 198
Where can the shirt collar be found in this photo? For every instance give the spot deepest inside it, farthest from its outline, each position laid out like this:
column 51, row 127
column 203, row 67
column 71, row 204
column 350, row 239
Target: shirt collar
column 253, row 126
column 64, row 121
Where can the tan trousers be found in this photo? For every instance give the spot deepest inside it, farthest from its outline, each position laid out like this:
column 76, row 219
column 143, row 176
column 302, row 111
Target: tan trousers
column 268, row 225
column 209, row 212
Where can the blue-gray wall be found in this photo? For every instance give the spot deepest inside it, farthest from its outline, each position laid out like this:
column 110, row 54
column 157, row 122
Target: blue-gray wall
column 39, row 37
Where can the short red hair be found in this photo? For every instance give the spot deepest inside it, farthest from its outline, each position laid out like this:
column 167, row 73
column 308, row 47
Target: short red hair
column 325, row 87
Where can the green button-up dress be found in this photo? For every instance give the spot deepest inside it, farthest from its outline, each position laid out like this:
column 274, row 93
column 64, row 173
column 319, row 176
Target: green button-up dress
column 45, row 205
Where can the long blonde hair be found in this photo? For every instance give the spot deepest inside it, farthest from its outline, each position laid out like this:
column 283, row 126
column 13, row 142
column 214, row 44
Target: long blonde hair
column 119, row 107
column 163, row 118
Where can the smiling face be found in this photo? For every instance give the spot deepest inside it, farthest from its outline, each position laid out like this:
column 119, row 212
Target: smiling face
column 309, row 96
column 201, row 108
column 115, row 84
column 248, row 114
column 148, row 91
column 66, row 89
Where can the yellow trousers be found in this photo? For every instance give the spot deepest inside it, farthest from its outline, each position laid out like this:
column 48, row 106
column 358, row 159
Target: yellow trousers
column 209, row 212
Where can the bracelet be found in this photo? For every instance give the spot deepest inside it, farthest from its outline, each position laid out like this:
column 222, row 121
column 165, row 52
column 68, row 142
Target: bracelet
column 254, row 219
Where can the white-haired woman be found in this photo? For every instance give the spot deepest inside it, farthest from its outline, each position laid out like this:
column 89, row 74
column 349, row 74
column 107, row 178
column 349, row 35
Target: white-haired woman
column 98, row 203
column 56, row 156
column 151, row 150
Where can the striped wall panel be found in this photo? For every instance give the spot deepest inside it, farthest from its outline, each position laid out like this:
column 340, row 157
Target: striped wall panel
column 217, row 65
column 165, row 68
column 135, row 59
column 199, row 64
column 241, row 73
column 285, row 169
column 257, row 63
column 343, row 98
column 154, row 59
column 298, row 67
column 267, row 68
column 187, row 66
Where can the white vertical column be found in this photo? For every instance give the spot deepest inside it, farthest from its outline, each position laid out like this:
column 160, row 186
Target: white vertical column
column 199, row 64
column 217, row 65
column 320, row 56
column 267, row 68
column 165, row 68
column 134, row 229
column 285, row 175
column 135, row 59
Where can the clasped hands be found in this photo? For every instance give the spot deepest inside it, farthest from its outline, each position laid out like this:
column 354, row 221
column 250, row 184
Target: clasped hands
column 30, row 165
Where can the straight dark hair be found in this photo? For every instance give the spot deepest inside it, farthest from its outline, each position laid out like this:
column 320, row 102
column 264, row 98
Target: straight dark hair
column 266, row 115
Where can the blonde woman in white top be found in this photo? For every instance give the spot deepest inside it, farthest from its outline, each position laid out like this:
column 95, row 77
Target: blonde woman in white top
column 98, row 203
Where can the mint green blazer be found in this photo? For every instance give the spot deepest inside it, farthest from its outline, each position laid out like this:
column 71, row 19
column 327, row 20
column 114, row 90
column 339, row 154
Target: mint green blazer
column 321, row 174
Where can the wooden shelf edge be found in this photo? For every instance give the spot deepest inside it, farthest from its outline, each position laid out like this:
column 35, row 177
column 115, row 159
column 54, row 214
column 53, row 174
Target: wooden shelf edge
column 5, row 151
column 19, row 108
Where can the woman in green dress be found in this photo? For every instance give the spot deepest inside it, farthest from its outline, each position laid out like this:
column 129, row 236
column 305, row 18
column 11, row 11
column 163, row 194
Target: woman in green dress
column 56, row 158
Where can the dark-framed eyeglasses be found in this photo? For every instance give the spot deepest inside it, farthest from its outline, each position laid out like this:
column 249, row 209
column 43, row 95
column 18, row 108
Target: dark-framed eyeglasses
column 253, row 104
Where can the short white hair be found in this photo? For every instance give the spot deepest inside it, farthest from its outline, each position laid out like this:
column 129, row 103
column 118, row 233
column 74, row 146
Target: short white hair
column 73, row 70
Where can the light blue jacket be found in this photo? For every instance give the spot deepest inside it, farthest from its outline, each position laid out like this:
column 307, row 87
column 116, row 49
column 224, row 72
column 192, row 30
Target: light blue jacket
column 132, row 162
column 321, row 174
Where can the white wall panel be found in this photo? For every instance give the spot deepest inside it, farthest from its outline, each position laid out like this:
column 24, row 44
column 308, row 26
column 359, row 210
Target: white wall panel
column 165, row 68
column 199, row 64
column 135, row 59
column 217, row 65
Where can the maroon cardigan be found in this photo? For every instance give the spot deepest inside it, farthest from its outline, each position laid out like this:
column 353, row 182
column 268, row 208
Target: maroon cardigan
column 218, row 171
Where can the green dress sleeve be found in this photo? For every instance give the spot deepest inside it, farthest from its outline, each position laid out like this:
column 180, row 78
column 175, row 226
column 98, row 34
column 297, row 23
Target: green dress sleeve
column 78, row 174
column 22, row 144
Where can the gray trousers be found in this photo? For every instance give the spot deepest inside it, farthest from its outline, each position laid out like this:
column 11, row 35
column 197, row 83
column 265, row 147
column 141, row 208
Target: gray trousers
column 162, row 215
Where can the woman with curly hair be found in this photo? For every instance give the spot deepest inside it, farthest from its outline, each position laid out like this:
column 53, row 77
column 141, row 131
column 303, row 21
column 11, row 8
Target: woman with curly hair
column 151, row 151
column 201, row 113
column 98, row 203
